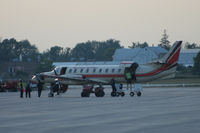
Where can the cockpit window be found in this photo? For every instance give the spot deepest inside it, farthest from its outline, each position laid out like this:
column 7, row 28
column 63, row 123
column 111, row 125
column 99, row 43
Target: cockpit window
column 70, row 70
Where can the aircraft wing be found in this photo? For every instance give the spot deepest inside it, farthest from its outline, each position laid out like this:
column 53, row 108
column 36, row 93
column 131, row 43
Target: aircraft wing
column 80, row 78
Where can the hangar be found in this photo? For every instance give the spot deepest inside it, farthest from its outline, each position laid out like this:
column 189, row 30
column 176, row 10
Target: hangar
column 141, row 56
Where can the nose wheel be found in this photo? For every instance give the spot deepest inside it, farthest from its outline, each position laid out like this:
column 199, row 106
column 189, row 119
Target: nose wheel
column 85, row 93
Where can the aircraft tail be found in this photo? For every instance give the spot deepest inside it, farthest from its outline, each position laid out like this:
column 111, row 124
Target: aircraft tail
column 172, row 56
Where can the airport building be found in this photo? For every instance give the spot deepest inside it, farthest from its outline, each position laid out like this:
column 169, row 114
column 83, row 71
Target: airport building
column 187, row 56
column 148, row 54
column 141, row 56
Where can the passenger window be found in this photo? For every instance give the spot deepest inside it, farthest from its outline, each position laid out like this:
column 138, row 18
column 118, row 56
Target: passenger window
column 70, row 70
column 100, row 70
column 87, row 70
column 75, row 70
column 81, row 70
column 119, row 70
column 94, row 70
column 113, row 70
column 106, row 70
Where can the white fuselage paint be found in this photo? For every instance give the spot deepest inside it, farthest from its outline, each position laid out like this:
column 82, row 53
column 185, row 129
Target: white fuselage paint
column 107, row 72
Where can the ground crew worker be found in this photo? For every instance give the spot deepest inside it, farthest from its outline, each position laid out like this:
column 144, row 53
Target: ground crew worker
column 28, row 89
column 40, row 86
column 21, row 89
column 113, row 85
column 128, row 77
column 57, row 86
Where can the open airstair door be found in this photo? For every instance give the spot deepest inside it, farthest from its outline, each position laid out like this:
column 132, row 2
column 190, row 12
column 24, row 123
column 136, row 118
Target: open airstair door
column 129, row 73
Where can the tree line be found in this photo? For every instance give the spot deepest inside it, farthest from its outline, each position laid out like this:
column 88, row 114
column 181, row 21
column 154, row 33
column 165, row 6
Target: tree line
column 12, row 50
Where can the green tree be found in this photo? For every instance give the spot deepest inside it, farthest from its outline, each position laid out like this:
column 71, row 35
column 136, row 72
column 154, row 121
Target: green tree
column 196, row 68
column 83, row 50
column 164, row 42
column 95, row 50
column 57, row 53
column 191, row 45
column 11, row 49
column 44, row 66
column 139, row 45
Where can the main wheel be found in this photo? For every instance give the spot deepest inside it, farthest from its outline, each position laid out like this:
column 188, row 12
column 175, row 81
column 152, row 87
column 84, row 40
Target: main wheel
column 102, row 93
column 99, row 92
column 139, row 93
column 85, row 94
column 131, row 94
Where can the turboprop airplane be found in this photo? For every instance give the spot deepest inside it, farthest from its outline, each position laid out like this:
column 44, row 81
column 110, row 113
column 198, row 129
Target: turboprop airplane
column 125, row 72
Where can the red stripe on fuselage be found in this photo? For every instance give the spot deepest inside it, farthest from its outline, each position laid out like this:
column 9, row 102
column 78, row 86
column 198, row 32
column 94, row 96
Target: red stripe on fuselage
column 165, row 67
column 121, row 75
column 104, row 76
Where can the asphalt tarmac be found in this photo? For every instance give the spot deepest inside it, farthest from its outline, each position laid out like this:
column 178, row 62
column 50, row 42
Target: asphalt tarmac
column 158, row 110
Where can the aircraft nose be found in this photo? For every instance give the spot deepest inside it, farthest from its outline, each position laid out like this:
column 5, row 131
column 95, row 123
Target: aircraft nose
column 38, row 77
column 34, row 79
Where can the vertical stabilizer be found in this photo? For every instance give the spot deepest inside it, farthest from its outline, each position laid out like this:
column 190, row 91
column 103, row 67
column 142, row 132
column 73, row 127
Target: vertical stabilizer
column 172, row 56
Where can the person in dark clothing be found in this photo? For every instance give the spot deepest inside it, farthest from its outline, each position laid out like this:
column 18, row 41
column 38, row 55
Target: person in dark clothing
column 113, row 85
column 28, row 89
column 40, row 86
column 57, row 86
column 21, row 89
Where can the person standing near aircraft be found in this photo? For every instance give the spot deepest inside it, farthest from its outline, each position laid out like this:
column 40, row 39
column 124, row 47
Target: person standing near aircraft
column 128, row 77
column 28, row 89
column 21, row 88
column 40, row 87
column 57, row 86
column 114, row 89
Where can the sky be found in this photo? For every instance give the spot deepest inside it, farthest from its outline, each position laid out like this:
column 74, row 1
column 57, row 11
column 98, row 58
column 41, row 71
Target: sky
column 65, row 23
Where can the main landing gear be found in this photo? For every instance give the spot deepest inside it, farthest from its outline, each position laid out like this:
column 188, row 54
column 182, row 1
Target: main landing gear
column 99, row 91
